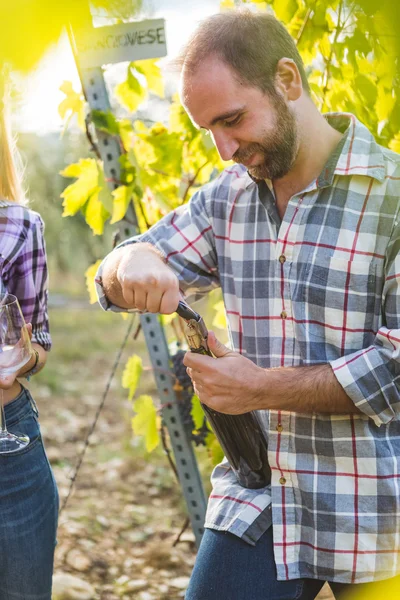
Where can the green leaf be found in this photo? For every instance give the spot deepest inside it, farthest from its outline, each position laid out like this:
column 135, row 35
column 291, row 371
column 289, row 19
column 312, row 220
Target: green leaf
column 89, row 276
column 131, row 375
column 144, row 423
column 105, row 121
column 122, row 197
column 152, row 72
column 197, row 412
column 78, row 193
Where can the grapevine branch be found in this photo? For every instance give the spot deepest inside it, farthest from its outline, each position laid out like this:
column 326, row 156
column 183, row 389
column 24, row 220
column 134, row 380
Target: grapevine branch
column 192, row 181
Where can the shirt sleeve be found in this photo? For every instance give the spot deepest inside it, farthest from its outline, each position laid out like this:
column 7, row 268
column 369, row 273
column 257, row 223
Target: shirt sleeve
column 371, row 376
column 185, row 239
column 27, row 280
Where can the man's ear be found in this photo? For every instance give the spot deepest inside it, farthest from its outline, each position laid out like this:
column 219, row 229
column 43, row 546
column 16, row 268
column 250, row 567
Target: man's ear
column 288, row 79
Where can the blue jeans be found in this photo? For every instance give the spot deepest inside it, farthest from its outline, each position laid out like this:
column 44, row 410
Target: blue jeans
column 227, row 568
column 28, row 510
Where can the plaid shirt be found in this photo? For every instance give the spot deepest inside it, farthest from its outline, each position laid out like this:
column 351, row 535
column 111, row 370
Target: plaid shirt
column 23, row 266
column 320, row 286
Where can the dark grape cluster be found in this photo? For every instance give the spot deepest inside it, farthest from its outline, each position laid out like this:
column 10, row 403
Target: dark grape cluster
column 180, row 370
column 185, row 392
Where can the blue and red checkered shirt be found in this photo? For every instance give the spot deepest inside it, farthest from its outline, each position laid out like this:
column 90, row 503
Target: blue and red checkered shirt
column 23, row 266
column 319, row 286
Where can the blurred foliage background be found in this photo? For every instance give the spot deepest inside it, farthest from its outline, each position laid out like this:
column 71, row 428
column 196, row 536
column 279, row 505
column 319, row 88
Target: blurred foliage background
column 351, row 49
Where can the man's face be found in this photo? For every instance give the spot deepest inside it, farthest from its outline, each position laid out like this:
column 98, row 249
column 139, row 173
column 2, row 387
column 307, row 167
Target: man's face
column 248, row 126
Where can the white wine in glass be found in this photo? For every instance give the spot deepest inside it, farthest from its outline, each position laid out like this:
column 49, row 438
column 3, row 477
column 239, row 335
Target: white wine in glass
column 15, row 352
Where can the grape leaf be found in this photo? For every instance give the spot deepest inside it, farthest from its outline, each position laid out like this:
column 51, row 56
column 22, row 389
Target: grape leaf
column 130, row 92
column 131, row 375
column 73, row 104
column 78, row 193
column 144, row 423
column 89, row 276
column 151, row 71
column 122, row 197
column 197, row 412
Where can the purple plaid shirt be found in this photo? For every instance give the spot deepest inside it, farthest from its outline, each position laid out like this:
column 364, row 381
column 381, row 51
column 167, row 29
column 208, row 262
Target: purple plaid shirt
column 322, row 285
column 23, row 266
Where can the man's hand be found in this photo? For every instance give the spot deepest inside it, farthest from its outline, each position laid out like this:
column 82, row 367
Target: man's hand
column 230, row 383
column 136, row 276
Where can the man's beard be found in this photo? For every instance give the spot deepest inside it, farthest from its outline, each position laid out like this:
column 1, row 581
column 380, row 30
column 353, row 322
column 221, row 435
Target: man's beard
column 279, row 148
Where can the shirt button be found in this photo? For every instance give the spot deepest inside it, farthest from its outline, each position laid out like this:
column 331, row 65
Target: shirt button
column 279, row 427
column 284, row 314
column 282, row 258
column 282, row 481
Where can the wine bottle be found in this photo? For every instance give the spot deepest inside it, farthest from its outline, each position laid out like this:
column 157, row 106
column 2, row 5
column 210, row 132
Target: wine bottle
column 241, row 436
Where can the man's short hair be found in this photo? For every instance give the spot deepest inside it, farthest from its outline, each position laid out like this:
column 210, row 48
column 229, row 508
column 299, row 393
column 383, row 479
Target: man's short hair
column 250, row 43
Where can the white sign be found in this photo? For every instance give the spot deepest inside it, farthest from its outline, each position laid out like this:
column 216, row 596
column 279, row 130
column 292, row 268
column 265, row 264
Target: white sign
column 124, row 42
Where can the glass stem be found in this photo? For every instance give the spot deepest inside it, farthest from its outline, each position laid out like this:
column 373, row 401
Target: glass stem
column 3, row 428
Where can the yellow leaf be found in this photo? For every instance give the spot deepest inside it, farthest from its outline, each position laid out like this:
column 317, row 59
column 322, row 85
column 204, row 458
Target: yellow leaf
column 285, row 9
column 145, row 422
column 167, row 319
column 153, row 75
column 130, row 93
column 325, row 45
column 214, row 449
column 226, row 4
column 95, row 213
column 220, row 317
column 90, row 274
column 131, row 375
column 122, row 197
column 73, row 103
column 384, row 104
column 77, row 194
column 395, row 143
column 388, row 589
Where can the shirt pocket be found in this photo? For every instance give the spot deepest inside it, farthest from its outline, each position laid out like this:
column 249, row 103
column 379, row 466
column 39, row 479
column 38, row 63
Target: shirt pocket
column 339, row 301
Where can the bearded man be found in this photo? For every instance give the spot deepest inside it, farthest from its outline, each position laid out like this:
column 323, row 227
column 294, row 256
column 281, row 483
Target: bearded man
column 303, row 237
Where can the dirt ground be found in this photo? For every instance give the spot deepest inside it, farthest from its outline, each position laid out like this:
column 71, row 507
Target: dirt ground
column 117, row 532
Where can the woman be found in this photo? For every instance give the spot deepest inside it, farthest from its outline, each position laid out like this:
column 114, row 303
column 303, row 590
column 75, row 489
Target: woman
column 28, row 493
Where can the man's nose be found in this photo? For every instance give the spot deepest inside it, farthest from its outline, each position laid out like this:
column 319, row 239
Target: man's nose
column 226, row 145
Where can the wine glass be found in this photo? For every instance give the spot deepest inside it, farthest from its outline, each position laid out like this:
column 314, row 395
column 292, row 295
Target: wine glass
column 15, row 352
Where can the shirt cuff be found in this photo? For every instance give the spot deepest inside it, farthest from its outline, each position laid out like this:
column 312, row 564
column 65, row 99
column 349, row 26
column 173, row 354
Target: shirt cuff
column 367, row 380
column 101, row 297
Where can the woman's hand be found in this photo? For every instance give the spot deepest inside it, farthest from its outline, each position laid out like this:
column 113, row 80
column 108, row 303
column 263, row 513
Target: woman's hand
column 7, row 381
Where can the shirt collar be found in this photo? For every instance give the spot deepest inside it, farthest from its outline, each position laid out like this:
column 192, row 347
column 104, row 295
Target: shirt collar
column 356, row 154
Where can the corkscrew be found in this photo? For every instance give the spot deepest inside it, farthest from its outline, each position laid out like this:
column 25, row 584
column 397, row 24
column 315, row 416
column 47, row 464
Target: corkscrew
column 196, row 331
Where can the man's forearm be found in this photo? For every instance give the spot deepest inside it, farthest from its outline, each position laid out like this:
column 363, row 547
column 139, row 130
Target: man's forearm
column 313, row 389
